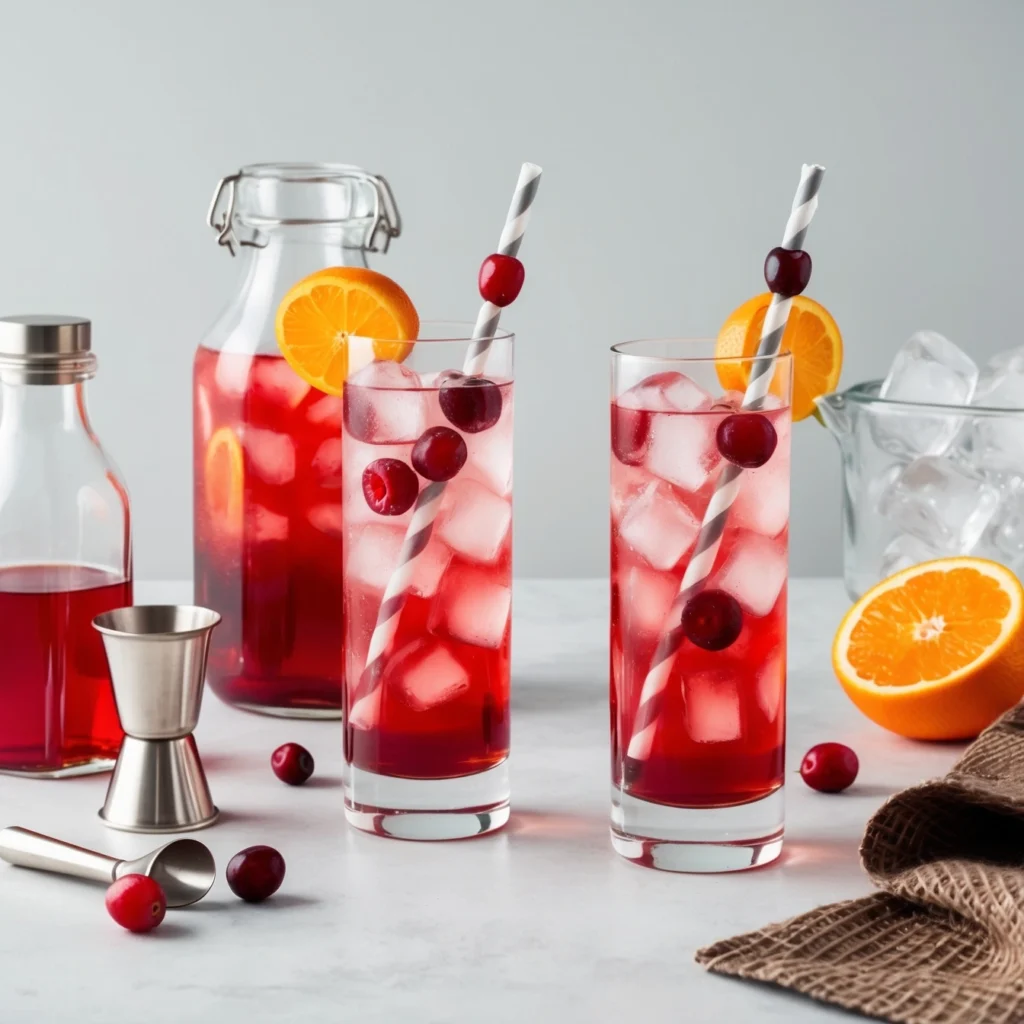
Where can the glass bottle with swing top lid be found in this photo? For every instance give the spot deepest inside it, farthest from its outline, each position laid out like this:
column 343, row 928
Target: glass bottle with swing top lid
column 267, row 446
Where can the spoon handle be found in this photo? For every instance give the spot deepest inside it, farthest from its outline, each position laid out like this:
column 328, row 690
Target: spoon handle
column 32, row 850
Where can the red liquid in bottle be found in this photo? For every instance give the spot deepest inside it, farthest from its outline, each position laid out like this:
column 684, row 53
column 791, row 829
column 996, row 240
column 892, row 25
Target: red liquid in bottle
column 58, row 704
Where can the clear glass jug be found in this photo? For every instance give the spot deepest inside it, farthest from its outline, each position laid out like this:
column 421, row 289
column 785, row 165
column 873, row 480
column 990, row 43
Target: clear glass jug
column 923, row 481
column 267, row 446
column 65, row 554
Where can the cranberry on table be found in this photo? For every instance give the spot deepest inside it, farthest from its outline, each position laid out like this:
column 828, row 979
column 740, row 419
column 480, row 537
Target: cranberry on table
column 630, row 430
column 712, row 620
column 472, row 404
column 255, row 873
column 439, row 453
column 829, row 767
column 747, row 439
column 390, row 487
column 787, row 272
column 292, row 763
column 501, row 279
column 136, row 902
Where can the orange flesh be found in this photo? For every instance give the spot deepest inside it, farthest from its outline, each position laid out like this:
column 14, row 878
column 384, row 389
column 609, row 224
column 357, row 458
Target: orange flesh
column 928, row 628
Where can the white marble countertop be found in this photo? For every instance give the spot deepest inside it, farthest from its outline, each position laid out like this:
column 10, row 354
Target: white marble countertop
column 540, row 922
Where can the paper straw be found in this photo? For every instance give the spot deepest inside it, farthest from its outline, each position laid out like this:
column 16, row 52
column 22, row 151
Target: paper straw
column 702, row 561
column 421, row 525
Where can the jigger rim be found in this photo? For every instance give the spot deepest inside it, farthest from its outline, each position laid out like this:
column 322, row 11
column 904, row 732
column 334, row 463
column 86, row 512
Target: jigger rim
column 138, row 621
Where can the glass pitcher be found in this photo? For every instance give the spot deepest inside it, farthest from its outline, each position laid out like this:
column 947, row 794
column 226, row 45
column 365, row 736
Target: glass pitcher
column 267, row 446
column 65, row 554
column 923, row 481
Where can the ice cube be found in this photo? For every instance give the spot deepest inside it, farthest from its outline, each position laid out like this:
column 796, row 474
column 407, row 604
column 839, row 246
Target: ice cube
column 474, row 521
column 929, row 368
column 902, row 552
column 762, row 504
column 1005, row 537
column 265, row 526
column 659, row 527
column 472, row 606
column 666, row 392
column 426, row 674
column 946, row 505
column 754, row 572
column 712, row 707
column 996, row 442
column 645, row 598
column 328, row 518
column 489, row 457
column 627, row 483
column 279, row 382
column 272, row 455
column 232, row 373
column 204, row 414
column 371, row 555
column 682, row 449
column 431, row 563
column 385, row 404
column 326, row 410
column 771, row 686
column 327, row 462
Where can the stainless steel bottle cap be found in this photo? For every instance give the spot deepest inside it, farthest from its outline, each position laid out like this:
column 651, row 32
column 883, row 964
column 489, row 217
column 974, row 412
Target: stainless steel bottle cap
column 46, row 349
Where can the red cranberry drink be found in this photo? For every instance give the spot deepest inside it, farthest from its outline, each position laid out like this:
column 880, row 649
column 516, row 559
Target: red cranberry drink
column 720, row 739
column 439, row 709
column 700, row 530
column 268, row 532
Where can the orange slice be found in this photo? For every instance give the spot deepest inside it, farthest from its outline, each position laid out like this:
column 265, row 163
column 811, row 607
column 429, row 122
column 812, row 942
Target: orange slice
column 811, row 335
column 935, row 652
column 223, row 479
column 319, row 314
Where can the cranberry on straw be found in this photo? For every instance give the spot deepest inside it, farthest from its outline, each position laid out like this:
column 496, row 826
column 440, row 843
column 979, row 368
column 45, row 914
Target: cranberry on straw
column 645, row 721
column 428, row 503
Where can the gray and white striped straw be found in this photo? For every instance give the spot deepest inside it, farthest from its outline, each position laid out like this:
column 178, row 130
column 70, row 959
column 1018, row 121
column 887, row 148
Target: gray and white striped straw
column 428, row 504
column 702, row 561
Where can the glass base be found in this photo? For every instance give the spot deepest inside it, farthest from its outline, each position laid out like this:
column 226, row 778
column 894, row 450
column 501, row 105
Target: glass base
column 698, row 839
column 319, row 714
column 69, row 772
column 427, row 809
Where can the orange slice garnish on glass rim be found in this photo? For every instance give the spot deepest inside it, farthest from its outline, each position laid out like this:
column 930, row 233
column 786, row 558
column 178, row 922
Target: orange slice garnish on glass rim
column 223, row 477
column 936, row 651
column 811, row 335
column 319, row 314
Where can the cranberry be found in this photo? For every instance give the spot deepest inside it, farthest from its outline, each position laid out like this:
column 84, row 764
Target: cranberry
column 787, row 271
column 630, row 429
column 292, row 763
column 136, row 902
column 389, row 486
column 255, row 873
column 471, row 403
column 747, row 439
column 829, row 767
column 501, row 279
column 712, row 619
column 439, row 453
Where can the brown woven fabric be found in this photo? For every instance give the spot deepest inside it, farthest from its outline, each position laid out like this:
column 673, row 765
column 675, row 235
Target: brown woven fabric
column 943, row 941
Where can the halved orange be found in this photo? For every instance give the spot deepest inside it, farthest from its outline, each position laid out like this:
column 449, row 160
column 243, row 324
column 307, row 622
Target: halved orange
column 223, row 478
column 811, row 335
column 319, row 314
column 935, row 652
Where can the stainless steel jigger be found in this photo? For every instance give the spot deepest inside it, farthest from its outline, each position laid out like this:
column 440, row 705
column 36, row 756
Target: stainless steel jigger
column 157, row 657
column 184, row 868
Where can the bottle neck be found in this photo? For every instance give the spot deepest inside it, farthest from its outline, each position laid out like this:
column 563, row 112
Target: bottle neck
column 36, row 407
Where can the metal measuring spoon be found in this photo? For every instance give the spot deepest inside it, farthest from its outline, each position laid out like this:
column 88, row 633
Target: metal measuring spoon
column 184, row 868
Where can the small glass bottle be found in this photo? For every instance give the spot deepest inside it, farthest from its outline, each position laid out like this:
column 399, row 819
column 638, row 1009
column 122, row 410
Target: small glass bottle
column 65, row 554
column 267, row 446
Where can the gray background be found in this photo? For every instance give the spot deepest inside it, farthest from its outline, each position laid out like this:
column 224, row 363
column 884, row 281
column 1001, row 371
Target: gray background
column 671, row 134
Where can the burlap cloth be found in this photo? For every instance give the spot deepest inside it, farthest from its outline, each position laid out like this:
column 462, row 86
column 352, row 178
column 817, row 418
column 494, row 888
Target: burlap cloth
column 943, row 941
